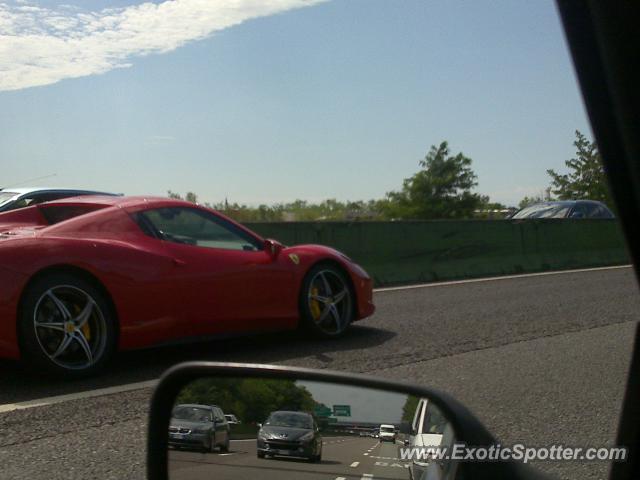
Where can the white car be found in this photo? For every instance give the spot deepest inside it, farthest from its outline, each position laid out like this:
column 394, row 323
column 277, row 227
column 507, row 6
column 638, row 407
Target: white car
column 387, row 433
column 430, row 428
column 232, row 419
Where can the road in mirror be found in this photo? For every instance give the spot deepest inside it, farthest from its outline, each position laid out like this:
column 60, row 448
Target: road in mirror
column 238, row 428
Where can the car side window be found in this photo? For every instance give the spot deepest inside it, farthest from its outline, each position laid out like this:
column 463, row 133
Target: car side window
column 194, row 227
column 434, row 420
column 219, row 416
column 580, row 210
column 597, row 211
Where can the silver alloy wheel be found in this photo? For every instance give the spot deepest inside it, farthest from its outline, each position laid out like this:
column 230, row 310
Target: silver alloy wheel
column 329, row 302
column 70, row 327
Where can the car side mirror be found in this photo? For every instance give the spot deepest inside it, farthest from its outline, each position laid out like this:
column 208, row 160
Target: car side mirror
column 273, row 247
column 292, row 396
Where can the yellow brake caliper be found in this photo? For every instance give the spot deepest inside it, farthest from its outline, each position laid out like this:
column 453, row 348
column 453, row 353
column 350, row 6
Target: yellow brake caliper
column 86, row 329
column 315, row 305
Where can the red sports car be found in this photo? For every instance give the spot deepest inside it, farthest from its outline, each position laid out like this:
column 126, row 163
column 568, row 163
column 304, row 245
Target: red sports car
column 85, row 276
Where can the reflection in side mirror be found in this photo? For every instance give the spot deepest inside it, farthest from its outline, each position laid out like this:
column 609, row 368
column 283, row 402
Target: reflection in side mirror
column 299, row 423
column 299, row 426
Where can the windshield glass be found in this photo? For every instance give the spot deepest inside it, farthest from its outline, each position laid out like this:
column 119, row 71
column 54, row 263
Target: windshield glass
column 195, row 414
column 387, row 429
column 544, row 211
column 285, row 419
column 5, row 196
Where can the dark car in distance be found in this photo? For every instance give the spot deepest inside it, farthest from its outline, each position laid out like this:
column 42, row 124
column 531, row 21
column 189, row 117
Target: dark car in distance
column 201, row 427
column 564, row 209
column 290, row 434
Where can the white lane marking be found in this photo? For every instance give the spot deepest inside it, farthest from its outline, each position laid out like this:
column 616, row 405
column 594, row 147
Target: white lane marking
column 9, row 407
column 340, row 478
column 367, row 475
column 493, row 279
column 366, row 453
column 354, row 464
column 42, row 402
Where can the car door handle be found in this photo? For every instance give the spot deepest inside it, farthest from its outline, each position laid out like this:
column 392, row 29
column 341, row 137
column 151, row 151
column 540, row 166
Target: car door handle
column 179, row 263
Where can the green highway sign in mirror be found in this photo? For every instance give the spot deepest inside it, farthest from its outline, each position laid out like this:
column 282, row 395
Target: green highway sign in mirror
column 342, row 410
column 322, row 411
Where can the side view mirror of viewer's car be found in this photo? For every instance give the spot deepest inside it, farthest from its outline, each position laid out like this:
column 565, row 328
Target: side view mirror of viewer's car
column 306, row 421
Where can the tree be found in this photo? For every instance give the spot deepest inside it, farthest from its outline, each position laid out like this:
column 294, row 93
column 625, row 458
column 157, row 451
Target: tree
column 251, row 399
column 586, row 178
column 409, row 408
column 442, row 189
column 544, row 196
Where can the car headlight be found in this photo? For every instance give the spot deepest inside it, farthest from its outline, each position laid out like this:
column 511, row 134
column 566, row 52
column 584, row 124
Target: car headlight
column 306, row 437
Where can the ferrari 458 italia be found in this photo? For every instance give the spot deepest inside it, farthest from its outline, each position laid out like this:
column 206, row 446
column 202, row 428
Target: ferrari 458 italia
column 83, row 277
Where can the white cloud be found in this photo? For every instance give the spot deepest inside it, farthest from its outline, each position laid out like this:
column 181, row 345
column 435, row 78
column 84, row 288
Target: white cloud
column 40, row 46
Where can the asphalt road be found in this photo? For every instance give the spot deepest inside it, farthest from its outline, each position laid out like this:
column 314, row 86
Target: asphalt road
column 342, row 457
column 541, row 360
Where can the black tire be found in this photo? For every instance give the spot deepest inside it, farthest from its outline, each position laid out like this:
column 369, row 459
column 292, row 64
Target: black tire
column 312, row 317
column 260, row 455
column 212, row 446
column 39, row 345
column 225, row 447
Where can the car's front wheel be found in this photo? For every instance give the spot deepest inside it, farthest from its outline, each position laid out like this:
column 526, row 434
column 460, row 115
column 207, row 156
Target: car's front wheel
column 225, row 446
column 66, row 326
column 326, row 301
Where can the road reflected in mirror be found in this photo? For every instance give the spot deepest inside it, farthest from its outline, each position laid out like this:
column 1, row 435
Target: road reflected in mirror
column 239, row 428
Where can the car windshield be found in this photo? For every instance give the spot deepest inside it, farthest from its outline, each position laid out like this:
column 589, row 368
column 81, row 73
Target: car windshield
column 552, row 210
column 195, row 414
column 387, row 429
column 6, row 196
column 286, row 419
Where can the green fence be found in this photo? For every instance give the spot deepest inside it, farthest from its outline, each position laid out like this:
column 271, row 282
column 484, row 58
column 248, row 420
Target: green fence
column 426, row 251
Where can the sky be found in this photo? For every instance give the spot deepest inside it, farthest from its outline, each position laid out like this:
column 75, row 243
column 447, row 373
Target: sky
column 265, row 101
column 366, row 404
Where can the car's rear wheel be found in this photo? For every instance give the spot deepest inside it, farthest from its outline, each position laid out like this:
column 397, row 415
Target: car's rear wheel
column 66, row 326
column 260, row 455
column 326, row 301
